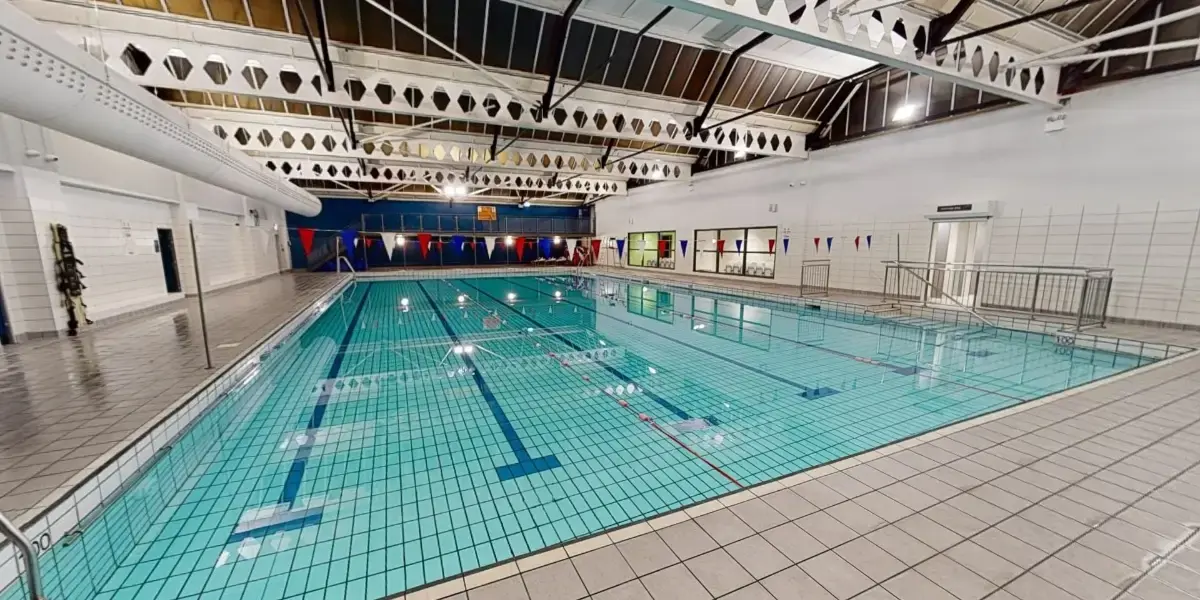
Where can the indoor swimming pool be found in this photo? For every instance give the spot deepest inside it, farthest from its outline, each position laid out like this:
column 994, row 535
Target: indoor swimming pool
column 420, row 429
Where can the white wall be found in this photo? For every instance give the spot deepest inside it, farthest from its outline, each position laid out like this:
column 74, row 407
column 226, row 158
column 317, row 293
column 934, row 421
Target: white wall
column 113, row 206
column 1117, row 187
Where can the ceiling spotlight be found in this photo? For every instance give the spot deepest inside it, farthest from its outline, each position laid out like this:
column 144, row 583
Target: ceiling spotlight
column 739, row 154
column 557, row 240
column 905, row 112
column 508, row 241
column 399, row 240
column 525, row 204
column 656, row 174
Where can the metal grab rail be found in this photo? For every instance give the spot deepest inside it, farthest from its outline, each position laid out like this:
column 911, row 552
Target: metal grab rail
column 1077, row 294
column 29, row 555
column 929, row 286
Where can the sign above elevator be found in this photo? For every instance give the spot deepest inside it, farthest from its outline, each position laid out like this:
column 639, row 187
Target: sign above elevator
column 954, row 208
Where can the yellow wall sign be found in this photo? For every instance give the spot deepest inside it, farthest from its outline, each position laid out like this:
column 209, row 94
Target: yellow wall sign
column 485, row 213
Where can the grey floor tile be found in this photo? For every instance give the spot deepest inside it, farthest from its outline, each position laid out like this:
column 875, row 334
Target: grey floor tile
column 754, row 591
column 964, row 583
column 1009, row 548
column 1137, row 536
column 719, row 572
column 1076, row 581
column 687, row 539
column 911, row 585
column 1153, row 589
column 723, row 526
column 647, row 553
column 909, row 496
column 987, row 564
column 873, row 561
column 826, row 529
column 903, row 546
column 557, row 581
column 1100, row 565
column 870, row 476
column 876, row 593
column 880, row 504
column 1179, row 577
column 985, row 512
column 759, row 515
column 836, row 575
column 855, row 517
column 930, row 533
column 602, row 569
column 844, row 484
column 675, row 583
column 893, row 468
column 758, row 556
column 1033, row 534
column 818, row 494
column 1054, row 522
column 512, row 588
column 793, row 542
column 794, row 584
column 790, row 504
column 633, row 590
column 953, row 519
column 1032, row 587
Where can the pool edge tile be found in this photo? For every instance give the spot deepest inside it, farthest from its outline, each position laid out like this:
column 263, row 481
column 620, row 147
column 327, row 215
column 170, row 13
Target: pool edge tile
column 491, row 575
column 542, row 559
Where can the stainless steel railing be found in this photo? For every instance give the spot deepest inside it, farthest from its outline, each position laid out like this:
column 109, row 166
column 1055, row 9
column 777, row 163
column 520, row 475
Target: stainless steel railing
column 814, row 278
column 1078, row 295
column 33, row 577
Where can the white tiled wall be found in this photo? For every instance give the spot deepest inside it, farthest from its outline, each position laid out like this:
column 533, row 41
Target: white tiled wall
column 113, row 206
column 1114, row 189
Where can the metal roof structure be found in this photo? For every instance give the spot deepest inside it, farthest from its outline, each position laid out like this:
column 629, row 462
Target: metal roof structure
column 567, row 101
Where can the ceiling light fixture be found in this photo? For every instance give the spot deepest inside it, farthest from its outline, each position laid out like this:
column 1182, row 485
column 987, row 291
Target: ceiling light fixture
column 905, row 112
column 739, row 154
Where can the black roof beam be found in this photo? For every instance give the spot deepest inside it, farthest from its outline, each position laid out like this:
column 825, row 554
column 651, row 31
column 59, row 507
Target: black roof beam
column 557, row 46
column 941, row 25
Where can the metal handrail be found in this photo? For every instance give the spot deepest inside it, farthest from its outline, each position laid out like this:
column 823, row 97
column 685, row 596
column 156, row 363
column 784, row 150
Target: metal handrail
column 997, row 267
column 929, row 285
column 32, row 575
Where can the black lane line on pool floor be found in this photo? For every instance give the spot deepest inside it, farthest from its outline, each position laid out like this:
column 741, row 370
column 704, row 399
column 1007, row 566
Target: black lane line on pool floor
column 526, row 464
column 903, row 371
column 294, row 519
column 623, row 403
column 663, row 402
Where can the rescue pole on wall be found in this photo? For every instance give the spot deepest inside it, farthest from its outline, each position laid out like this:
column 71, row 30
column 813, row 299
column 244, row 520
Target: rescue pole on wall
column 200, row 296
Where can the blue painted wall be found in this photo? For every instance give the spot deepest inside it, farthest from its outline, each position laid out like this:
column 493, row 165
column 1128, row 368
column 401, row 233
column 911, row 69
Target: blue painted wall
column 338, row 213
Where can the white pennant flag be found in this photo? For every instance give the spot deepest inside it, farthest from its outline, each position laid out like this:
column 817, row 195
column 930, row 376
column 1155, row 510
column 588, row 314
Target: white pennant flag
column 389, row 243
column 490, row 242
column 572, row 246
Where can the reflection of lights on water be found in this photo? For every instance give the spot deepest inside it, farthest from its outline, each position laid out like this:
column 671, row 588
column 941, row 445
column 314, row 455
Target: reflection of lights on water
column 462, row 298
column 557, row 294
column 404, row 302
column 653, row 371
column 464, row 349
column 698, row 326
column 528, row 330
column 717, row 439
column 511, row 296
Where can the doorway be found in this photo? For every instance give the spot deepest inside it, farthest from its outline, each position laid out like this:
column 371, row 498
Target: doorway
column 166, row 250
column 956, row 247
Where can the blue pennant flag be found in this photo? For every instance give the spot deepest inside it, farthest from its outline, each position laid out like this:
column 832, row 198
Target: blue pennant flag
column 828, row 243
column 738, row 243
column 786, row 239
column 620, row 247
column 348, row 238
column 868, row 242
column 456, row 242
column 544, row 246
column 683, row 247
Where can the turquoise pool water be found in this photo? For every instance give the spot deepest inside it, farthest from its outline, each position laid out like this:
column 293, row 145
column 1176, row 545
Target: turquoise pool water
column 421, row 429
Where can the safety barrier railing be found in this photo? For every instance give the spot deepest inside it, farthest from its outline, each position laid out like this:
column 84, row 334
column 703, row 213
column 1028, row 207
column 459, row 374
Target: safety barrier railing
column 449, row 223
column 1078, row 295
column 814, row 278
column 33, row 576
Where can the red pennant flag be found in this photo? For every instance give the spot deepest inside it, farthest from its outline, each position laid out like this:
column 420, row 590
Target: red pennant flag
column 369, row 241
column 440, row 243
column 771, row 246
column 423, row 240
column 306, row 238
column 817, row 243
column 662, row 247
column 856, row 238
column 520, row 249
column 595, row 249
column 720, row 246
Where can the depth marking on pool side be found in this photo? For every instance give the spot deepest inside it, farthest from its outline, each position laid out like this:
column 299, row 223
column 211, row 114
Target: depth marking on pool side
column 284, row 516
column 526, row 464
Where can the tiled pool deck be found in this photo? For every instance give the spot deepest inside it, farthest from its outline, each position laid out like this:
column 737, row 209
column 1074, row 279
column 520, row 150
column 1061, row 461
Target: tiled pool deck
column 66, row 402
column 1090, row 494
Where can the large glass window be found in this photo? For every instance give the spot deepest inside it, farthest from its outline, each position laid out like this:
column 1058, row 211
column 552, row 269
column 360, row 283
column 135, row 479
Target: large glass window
column 644, row 249
column 745, row 251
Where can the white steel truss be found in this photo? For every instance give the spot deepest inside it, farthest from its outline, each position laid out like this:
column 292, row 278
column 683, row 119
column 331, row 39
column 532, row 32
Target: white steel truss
column 349, row 170
column 318, row 143
column 363, row 83
column 978, row 63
